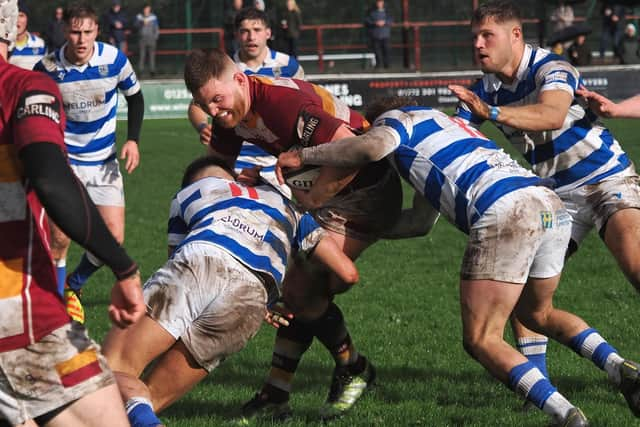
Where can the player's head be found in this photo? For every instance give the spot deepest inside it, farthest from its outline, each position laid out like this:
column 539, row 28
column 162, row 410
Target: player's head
column 8, row 26
column 497, row 35
column 381, row 105
column 217, row 86
column 205, row 166
column 81, row 31
column 252, row 31
column 23, row 19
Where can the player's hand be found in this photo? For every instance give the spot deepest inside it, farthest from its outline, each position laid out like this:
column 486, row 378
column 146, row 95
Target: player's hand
column 473, row 101
column 205, row 134
column 131, row 154
column 278, row 316
column 599, row 104
column 288, row 160
column 249, row 176
column 127, row 303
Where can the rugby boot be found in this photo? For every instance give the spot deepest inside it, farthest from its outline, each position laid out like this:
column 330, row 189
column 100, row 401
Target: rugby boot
column 73, row 305
column 260, row 406
column 346, row 389
column 630, row 385
column 575, row 418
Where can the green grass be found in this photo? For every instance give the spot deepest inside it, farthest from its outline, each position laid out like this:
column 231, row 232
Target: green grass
column 404, row 315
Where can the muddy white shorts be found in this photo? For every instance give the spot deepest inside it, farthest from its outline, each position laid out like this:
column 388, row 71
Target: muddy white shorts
column 103, row 182
column 209, row 300
column 524, row 234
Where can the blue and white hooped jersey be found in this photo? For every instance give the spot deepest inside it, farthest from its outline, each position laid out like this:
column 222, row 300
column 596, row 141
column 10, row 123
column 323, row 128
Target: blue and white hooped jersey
column 458, row 170
column 581, row 152
column 256, row 225
column 28, row 55
column 276, row 64
column 90, row 97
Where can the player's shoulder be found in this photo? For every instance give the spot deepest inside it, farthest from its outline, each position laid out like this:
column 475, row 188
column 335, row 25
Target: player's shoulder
column 36, row 41
column 106, row 54
column 545, row 61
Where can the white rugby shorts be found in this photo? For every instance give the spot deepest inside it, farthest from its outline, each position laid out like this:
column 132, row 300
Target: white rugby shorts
column 103, row 182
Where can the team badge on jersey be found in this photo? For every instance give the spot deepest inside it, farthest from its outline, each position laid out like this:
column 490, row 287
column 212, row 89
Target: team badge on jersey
column 38, row 103
column 307, row 125
column 103, row 70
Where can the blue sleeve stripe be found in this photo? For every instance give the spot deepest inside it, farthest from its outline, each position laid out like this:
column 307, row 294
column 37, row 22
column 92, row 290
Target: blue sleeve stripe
column 196, row 195
column 94, row 146
column 400, row 128
column 500, row 188
column 306, row 226
column 127, row 83
column 177, row 225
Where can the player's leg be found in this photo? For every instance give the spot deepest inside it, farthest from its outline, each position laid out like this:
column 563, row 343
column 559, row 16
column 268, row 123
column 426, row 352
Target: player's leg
column 128, row 352
column 101, row 408
column 106, row 189
column 622, row 237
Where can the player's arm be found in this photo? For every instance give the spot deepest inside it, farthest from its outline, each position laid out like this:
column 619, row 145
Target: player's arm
column 69, row 206
column 603, row 106
column 415, row 221
column 332, row 257
column 548, row 113
column 135, row 115
column 200, row 122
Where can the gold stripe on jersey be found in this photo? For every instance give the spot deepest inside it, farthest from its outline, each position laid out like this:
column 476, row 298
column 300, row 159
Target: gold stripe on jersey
column 11, row 277
column 10, row 166
column 328, row 103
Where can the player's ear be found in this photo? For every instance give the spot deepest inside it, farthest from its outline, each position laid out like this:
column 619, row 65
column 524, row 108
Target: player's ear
column 240, row 78
column 516, row 32
column 268, row 33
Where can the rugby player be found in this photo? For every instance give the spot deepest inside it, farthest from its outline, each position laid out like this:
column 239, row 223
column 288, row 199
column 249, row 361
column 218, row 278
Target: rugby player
column 253, row 57
column 275, row 114
column 518, row 232
column 52, row 371
column 89, row 75
column 29, row 48
column 530, row 95
column 229, row 247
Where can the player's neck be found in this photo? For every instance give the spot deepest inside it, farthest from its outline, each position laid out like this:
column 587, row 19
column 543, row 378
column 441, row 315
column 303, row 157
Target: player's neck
column 509, row 72
column 22, row 38
column 254, row 62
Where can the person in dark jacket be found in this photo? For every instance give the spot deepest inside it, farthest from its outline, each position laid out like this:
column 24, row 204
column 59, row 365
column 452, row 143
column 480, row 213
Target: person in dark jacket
column 114, row 24
column 378, row 22
column 289, row 28
column 54, row 35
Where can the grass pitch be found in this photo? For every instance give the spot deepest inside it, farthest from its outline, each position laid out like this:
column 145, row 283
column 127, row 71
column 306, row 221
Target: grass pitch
column 403, row 315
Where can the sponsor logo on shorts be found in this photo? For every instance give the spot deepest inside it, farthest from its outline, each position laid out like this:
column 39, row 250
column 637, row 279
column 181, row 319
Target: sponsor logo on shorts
column 562, row 218
column 547, row 219
column 38, row 103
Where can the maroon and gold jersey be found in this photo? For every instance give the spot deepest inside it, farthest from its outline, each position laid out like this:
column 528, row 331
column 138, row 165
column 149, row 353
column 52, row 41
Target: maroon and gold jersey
column 30, row 112
column 287, row 112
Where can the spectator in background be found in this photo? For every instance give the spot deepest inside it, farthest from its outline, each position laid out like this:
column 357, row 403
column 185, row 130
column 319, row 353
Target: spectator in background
column 148, row 31
column 612, row 29
column 260, row 5
column 230, row 42
column 54, row 35
column 378, row 22
column 562, row 16
column 630, row 45
column 579, row 53
column 289, row 25
column 29, row 48
column 114, row 24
